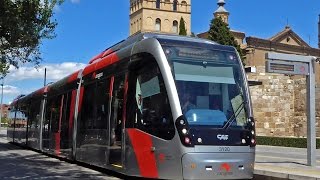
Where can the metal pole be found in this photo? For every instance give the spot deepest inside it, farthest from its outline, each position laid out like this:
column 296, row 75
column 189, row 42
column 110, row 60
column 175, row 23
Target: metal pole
column 45, row 77
column 1, row 101
column 311, row 134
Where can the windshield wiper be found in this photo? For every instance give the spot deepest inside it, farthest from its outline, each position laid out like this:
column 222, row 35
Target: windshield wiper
column 234, row 116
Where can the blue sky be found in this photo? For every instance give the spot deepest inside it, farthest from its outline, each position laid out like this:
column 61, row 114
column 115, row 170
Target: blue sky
column 87, row 27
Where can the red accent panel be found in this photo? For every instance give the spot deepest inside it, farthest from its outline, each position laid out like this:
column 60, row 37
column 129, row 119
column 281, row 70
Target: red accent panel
column 89, row 69
column 142, row 144
column 57, row 135
column 73, row 77
column 105, row 61
column 115, row 58
column 111, row 87
column 71, row 115
column 80, row 98
column 40, row 91
column 96, row 57
column 109, row 51
column 57, row 142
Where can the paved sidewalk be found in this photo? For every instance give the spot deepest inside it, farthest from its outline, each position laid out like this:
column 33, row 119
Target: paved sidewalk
column 18, row 163
column 271, row 163
column 285, row 163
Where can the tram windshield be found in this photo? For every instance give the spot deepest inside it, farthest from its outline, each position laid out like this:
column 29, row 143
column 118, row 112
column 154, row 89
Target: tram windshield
column 210, row 86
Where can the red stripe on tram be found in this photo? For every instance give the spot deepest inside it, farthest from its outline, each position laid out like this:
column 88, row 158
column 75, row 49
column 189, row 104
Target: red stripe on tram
column 111, row 87
column 142, row 144
column 80, row 98
column 71, row 115
column 58, row 134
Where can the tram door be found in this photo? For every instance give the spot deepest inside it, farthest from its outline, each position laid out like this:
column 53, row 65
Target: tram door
column 116, row 122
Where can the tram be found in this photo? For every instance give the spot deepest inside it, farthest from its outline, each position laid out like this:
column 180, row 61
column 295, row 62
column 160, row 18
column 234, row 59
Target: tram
column 152, row 106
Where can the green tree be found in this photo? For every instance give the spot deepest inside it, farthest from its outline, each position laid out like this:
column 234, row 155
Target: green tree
column 182, row 27
column 220, row 33
column 4, row 120
column 23, row 26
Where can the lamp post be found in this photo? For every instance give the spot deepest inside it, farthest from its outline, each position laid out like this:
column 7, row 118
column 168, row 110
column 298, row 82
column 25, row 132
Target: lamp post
column 1, row 100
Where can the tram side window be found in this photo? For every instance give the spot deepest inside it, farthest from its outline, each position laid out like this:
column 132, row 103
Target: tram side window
column 12, row 116
column 53, row 114
column 94, row 113
column 22, row 116
column 34, row 120
column 152, row 112
column 65, row 129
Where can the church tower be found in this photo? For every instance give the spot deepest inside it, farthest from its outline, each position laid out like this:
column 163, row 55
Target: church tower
column 222, row 12
column 159, row 16
column 319, row 32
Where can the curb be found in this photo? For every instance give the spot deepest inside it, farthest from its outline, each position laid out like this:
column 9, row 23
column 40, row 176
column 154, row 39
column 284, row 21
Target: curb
column 271, row 175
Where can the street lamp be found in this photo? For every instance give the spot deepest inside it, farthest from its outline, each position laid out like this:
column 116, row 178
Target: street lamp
column 1, row 100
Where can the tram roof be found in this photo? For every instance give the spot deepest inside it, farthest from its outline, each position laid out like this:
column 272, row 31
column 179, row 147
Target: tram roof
column 122, row 44
column 147, row 35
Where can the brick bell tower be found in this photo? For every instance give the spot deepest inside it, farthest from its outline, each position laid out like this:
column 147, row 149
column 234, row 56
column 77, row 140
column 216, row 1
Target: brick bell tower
column 159, row 16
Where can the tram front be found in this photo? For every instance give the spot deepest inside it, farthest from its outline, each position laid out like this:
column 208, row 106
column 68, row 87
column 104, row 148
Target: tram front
column 216, row 126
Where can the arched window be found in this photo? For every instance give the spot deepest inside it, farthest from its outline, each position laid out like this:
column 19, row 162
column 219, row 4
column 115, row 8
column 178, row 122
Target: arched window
column 175, row 27
column 175, row 5
column 158, row 24
column 158, row 4
column 184, row 6
column 140, row 24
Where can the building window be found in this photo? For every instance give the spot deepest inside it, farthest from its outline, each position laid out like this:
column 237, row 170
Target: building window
column 140, row 24
column 158, row 24
column 158, row 4
column 175, row 27
column 175, row 4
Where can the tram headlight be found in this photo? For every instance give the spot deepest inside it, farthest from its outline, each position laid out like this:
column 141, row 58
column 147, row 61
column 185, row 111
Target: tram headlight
column 184, row 131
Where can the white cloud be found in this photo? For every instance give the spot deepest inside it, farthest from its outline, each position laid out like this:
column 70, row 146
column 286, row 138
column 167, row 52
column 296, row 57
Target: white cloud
column 54, row 71
column 11, row 90
column 75, row 1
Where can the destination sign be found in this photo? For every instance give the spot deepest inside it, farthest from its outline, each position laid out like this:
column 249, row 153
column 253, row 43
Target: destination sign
column 287, row 67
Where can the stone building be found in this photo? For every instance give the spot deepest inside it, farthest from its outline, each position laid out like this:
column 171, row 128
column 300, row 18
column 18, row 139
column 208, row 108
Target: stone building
column 5, row 110
column 279, row 101
column 159, row 16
